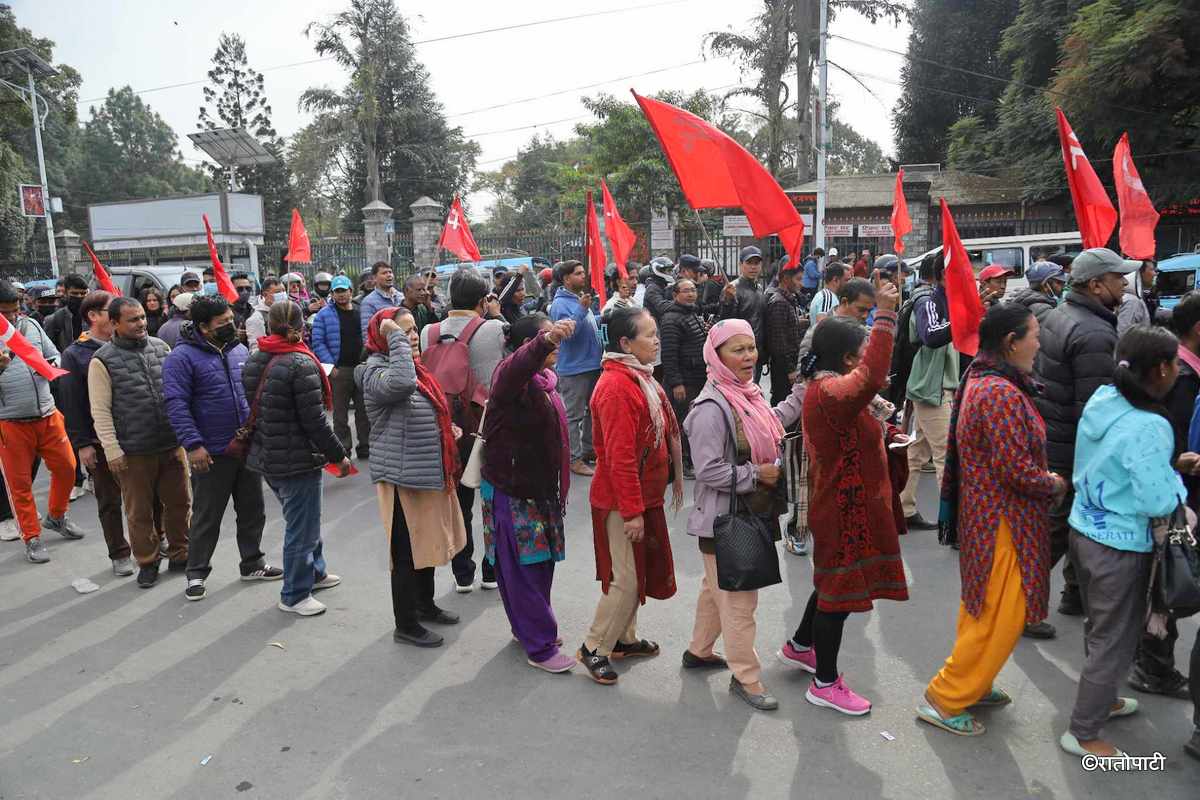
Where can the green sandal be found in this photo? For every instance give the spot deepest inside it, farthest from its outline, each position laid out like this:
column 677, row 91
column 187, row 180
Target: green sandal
column 993, row 699
column 960, row 725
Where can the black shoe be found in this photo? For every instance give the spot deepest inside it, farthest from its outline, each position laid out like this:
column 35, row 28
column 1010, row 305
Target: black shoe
column 363, row 454
column 642, row 647
column 439, row 616
column 1192, row 748
column 177, row 566
column 1174, row 684
column 1039, row 630
column 693, row 661
column 918, row 523
column 1071, row 604
column 418, row 636
column 148, row 575
column 598, row 667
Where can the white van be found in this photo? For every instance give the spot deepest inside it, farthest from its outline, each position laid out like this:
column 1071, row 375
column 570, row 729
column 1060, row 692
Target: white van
column 1017, row 252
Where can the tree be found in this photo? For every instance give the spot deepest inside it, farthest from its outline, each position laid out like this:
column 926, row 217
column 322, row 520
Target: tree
column 529, row 188
column 316, row 160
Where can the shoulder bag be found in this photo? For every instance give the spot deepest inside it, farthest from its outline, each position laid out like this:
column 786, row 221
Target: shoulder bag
column 239, row 445
column 473, row 473
column 745, row 551
column 1178, row 565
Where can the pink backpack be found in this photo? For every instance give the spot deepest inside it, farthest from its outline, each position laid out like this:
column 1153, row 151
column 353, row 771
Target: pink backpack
column 449, row 359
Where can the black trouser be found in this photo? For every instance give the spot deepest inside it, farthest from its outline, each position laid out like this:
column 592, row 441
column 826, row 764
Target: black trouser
column 822, row 630
column 1060, row 537
column 463, row 563
column 1156, row 657
column 681, row 408
column 1194, row 684
column 412, row 589
column 781, row 384
column 227, row 477
column 346, row 391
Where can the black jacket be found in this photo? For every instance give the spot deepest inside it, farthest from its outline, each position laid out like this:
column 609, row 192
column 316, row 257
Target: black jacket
column 62, row 328
column 782, row 330
column 292, row 435
column 1180, row 403
column 1078, row 339
column 683, row 337
column 749, row 303
column 73, row 398
column 1039, row 303
column 657, row 298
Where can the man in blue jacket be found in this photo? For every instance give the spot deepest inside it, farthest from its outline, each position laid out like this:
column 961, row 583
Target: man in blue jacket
column 202, row 387
column 383, row 296
column 578, row 360
column 337, row 339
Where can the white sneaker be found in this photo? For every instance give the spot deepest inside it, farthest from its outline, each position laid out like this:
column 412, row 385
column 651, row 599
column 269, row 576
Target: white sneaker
column 464, row 588
column 328, row 582
column 308, row 607
column 8, row 531
column 77, row 492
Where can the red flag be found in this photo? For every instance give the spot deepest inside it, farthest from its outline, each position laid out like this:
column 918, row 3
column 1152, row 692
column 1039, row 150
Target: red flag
column 456, row 234
column 595, row 252
column 224, row 285
column 1138, row 215
column 12, row 339
column 298, row 246
column 336, row 470
column 901, row 222
column 1093, row 210
column 621, row 237
column 102, row 276
column 715, row 171
column 962, row 294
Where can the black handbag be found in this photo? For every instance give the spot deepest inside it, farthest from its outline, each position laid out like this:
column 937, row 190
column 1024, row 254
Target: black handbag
column 745, row 550
column 1179, row 568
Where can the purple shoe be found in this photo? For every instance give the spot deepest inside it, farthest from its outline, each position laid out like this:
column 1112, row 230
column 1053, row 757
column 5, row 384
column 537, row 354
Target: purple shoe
column 559, row 662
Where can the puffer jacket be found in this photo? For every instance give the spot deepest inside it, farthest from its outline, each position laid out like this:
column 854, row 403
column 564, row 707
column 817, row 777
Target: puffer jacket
column 657, row 298
column 292, row 435
column 23, row 393
column 406, row 443
column 749, row 303
column 1039, row 303
column 202, row 387
column 327, row 334
column 169, row 330
column 683, row 338
column 1078, row 340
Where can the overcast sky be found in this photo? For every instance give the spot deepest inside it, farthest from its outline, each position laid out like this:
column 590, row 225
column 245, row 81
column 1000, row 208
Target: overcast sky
column 148, row 45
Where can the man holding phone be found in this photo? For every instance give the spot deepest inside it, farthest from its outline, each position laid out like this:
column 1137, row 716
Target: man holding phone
column 578, row 360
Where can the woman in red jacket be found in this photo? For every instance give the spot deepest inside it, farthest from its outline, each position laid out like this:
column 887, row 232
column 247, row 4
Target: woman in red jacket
column 856, row 551
column 637, row 440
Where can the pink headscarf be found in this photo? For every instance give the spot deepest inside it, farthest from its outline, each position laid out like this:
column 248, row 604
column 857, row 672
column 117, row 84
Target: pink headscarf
column 763, row 429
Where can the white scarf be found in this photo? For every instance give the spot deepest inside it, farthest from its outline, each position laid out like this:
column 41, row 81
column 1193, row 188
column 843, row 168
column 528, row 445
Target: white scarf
column 645, row 376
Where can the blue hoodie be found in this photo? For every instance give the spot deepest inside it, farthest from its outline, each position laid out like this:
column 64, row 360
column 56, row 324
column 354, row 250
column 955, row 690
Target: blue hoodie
column 580, row 353
column 1123, row 474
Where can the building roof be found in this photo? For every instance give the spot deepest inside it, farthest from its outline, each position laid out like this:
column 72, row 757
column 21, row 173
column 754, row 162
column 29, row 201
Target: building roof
column 874, row 191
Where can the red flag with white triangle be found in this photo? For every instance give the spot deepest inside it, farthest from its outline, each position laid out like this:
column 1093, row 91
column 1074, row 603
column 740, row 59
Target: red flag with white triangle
column 456, row 234
column 962, row 293
column 1139, row 217
column 1094, row 212
column 12, row 340
column 621, row 237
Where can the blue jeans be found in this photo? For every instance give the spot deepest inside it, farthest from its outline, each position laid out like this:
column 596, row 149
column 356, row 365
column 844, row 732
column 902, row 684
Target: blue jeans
column 303, row 560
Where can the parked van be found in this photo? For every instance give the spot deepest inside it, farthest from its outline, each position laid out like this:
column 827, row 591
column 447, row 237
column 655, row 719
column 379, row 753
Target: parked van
column 1176, row 277
column 132, row 281
column 1017, row 252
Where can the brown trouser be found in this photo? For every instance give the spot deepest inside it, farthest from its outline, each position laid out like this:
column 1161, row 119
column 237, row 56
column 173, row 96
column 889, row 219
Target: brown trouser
column 144, row 480
column 616, row 613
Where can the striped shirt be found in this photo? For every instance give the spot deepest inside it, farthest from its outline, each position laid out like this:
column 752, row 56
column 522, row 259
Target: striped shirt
column 822, row 305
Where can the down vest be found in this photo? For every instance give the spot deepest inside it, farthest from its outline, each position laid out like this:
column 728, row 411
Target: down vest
column 683, row 338
column 1078, row 339
column 203, row 391
column 406, row 445
column 292, row 434
column 135, row 369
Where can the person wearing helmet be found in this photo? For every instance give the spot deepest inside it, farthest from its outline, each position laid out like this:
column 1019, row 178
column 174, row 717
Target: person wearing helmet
column 709, row 289
column 661, row 274
column 322, row 282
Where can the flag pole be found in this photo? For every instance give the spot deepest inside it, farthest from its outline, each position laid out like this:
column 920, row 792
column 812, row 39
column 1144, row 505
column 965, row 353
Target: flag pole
column 704, row 231
column 823, row 123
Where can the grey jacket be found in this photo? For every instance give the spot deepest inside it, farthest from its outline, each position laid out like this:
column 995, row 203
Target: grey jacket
column 23, row 393
column 710, row 427
column 1132, row 310
column 406, row 444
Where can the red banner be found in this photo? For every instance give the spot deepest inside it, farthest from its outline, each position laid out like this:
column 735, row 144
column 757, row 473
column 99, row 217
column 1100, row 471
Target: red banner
column 1138, row 215
column 298, row 246
column 456, row 234
column 102, row 276
column 901, row 222
column 595, row 253
column 1094, row 212
column 621, row 237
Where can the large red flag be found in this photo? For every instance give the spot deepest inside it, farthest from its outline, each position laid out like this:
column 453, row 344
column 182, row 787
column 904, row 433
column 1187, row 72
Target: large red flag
column 715, row 171
column 298, row 246
column 595, row 253
column 12, row 339
column 224, row 285
column 456, row 234
column 621, row 237
column 901, row 222
column 1093, row 210
column 962, row 293
column 102, row 276
column 1138, row 215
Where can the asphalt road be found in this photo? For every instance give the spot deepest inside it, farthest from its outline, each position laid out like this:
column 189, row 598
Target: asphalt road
column 129, row 693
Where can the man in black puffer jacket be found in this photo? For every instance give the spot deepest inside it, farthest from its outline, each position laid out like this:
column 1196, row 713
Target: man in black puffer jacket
column 293, row 440
column 1046, row 281
column 1078, row 340
column 684, row 372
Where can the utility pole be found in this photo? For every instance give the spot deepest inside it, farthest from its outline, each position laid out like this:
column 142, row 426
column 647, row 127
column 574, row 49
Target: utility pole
column 823, row 126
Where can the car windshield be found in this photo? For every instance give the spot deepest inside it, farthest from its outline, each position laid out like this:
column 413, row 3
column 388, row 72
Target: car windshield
column 1175, row 284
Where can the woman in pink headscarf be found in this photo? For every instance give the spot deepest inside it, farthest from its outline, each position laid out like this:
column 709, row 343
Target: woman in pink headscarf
column 731, row 427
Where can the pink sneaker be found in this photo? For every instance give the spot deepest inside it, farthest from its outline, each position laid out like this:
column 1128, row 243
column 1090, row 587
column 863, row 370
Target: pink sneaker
column 838, row 696
column 559, row 662
column 798, row 659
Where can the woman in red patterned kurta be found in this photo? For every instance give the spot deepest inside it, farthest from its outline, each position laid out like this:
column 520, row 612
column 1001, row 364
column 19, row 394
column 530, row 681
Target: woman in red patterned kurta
column 856, row 551
column 997, row 478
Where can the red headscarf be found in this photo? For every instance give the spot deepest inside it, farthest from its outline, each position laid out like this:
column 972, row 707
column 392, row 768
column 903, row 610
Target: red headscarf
column 426, row 385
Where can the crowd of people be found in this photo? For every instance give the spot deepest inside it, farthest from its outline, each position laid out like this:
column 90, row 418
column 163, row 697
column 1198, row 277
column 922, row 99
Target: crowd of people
column 1071, row 435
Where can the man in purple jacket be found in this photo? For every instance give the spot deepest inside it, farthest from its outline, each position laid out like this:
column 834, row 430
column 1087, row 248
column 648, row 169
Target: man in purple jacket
column 202, row 386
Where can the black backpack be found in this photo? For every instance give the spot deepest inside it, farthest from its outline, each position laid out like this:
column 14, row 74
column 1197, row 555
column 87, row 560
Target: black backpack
column 905, row 349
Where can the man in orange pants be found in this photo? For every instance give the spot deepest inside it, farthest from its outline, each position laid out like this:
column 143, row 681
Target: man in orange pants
column 31, row 426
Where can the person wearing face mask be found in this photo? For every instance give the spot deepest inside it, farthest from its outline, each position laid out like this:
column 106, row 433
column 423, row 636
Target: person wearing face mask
column 256, row 323
column 206, row 406
column 1076, row 358
column 1046, row 281
column 242, row 307
column 1134, row 310
column 45, row 303
column 64, row 325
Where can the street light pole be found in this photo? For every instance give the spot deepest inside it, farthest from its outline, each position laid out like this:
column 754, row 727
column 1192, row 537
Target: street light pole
column 37, row 138
column 823, row 127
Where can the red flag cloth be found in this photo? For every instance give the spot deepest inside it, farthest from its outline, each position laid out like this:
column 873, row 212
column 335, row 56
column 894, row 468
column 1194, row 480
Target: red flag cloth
column 962, row 294
column 595, row 253
column 715, row 171
column 102, row 276
column 456, row 234
column 224, row 285
column 901, row 222
column 621, row 237
column 1093, row 210
column 298, row 246
column 336, row 470
column 1138, row 215
column 11, row 339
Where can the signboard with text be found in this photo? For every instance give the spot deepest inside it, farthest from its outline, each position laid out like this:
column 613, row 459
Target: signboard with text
column 662, row 236
column 839, row 229
column 736, row 225
column 868, row 231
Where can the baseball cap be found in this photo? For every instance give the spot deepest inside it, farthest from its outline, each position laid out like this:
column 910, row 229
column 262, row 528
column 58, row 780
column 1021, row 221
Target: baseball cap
column 189, row 277
column 1043, row 271
column 340, row 282
column 1099, row 261
column 749, row 253
column 183, row 301
column 833, row 252
column 546, row 275
column 689, row 261
column 996, row 271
